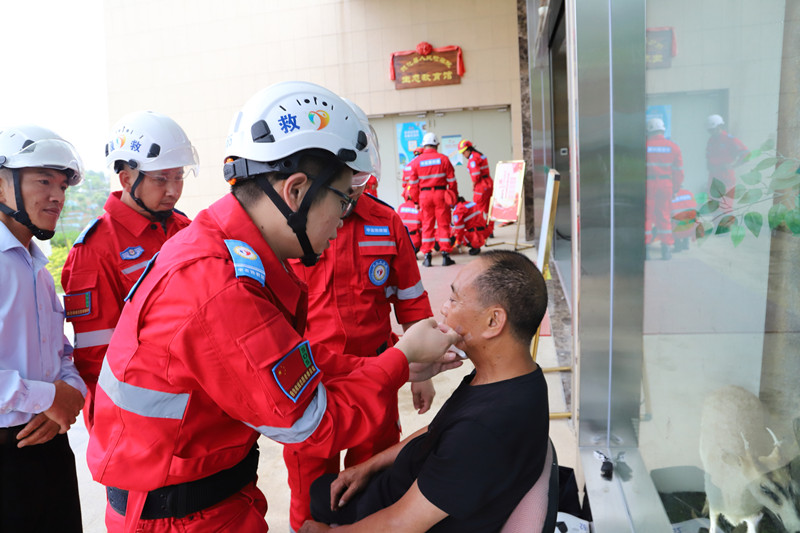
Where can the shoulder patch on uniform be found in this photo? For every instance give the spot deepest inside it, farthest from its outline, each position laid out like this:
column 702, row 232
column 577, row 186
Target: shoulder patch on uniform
column 377, row 230
column 78, row 304
column 295, row 370
column 246, row 261
column 131, row 252
column 139, row 281
column 87, row 231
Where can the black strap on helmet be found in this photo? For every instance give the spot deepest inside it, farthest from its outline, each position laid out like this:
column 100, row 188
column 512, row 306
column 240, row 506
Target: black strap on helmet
column 20, row 215
column 159, row 216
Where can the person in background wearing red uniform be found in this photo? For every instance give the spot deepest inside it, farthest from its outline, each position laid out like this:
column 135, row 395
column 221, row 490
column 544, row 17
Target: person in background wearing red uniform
column 664, row 179
column 431, row 176
column 151, row 155
column 482, row 183
column 371, row 186
column 469, row 226
column 723, row 153
column 370, row 268
column 41, row 392
column 209, row 352
column 406, row 183
column 409, row 214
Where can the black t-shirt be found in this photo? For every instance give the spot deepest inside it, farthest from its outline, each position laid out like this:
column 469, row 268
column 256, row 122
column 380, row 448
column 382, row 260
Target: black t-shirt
column 482, row 452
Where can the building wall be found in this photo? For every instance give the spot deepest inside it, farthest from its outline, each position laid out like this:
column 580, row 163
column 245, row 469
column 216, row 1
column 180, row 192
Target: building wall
column 199, row 61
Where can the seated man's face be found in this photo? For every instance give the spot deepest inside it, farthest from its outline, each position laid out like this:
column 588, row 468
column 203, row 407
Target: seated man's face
column 463, row 311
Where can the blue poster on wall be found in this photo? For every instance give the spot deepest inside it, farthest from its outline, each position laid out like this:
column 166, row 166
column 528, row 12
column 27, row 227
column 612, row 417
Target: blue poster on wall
column 664, row 112
column 409, row 136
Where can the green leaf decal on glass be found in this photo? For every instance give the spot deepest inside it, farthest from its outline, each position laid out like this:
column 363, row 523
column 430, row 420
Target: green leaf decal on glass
column 754, row 221
column 717, row 189
column 737, row 234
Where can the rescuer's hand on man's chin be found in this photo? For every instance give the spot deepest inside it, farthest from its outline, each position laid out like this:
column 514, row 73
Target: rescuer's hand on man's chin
column 426, row 341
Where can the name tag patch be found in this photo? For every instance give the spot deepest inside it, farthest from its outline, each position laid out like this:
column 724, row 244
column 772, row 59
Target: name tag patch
column 376, row 230
column 295, row 371
column 245, row 261
column 132, row 252
column 78, row 304
column 379, row 272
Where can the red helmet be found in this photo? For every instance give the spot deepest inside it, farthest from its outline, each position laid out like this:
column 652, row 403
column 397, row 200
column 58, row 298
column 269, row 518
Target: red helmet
column 417, row 150
column 463, row 145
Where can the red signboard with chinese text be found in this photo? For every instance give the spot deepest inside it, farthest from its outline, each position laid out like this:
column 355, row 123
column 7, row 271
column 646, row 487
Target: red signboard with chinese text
column 661, row 47
column 427, row 66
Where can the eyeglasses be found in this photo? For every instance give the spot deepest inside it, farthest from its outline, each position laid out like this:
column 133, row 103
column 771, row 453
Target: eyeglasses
column 348, row 204
column 161, row 179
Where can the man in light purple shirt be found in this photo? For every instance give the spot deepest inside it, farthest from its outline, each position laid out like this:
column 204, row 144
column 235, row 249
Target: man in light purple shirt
column 41, row 393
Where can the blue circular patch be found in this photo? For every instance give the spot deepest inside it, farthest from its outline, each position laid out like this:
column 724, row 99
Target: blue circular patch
column 379, row 272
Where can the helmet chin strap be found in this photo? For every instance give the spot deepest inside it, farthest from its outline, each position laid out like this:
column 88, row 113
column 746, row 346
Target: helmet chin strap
column 297, row 220
column 20, row 215
column 160, row 216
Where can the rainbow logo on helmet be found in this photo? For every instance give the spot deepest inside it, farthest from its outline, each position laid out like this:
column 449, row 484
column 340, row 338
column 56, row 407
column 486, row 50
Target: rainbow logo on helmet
column 319, row 118
column 119, row 142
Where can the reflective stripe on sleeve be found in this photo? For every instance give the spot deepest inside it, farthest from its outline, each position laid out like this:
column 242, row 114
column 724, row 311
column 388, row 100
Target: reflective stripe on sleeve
column 406, row 294
column 141, row 401
column 304, row 426
column 134, row 268
column 99, row 337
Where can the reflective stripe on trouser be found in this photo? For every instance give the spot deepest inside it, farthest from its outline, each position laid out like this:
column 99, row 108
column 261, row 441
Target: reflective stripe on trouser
column 435, row 221
column 658, row 207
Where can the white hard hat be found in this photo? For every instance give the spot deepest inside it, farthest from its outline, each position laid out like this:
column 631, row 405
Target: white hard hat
column 714, row 121
column 430, row 139
column 292, row 116
column 34, row 146
column 654, row 125
column 147, row 140
column 373, row 147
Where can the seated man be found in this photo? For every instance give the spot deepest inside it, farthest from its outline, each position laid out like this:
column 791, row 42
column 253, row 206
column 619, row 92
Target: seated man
column 486, row 447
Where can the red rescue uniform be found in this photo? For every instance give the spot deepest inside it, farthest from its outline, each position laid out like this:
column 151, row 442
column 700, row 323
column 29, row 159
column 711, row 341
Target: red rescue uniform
column 208, row 354
column 432, row 174
column 482, row 183
column 723, row 152
column 409, row 214
column 102, row 266
column 370, row 268
column 664, row 179
column 469, row 225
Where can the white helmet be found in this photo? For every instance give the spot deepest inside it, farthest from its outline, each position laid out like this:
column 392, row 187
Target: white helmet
column 429, row 139
column 34, row 146
column 373, row 147
column 654, row 125
column 714, row 121
column 291, row 116
column 147, row 140
column 280, row 123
